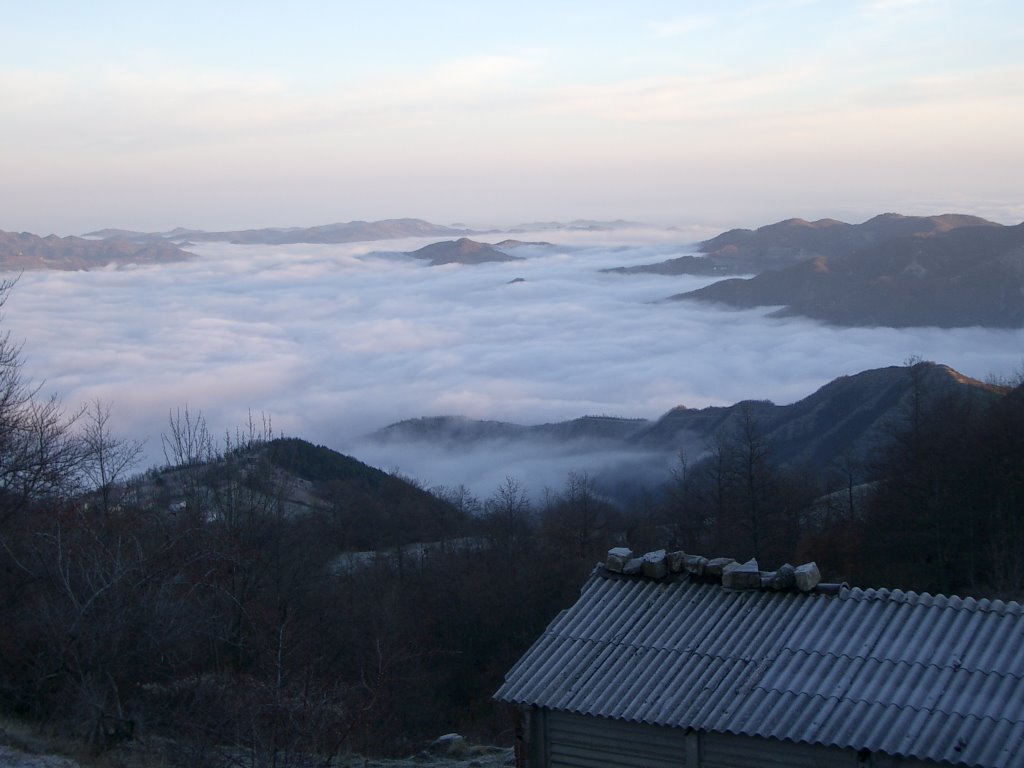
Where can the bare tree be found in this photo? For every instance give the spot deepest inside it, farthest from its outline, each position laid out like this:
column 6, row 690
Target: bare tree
column 106, row 457
column 754, row 476
column 188, row 443
column 188, row 448
column 745, row 490
column 683, row 509
column 507, row 515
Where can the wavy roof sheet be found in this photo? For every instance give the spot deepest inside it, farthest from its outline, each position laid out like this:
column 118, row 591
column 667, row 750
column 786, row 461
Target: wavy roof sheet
column 908, row 674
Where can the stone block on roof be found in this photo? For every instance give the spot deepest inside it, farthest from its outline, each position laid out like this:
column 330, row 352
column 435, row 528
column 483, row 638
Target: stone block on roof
column 714, row 566
column 695, row 564
column 807, row 576
column 634, row 566
column 676, row 561
column 617, row 559
column 655, row 564
column 741, row 575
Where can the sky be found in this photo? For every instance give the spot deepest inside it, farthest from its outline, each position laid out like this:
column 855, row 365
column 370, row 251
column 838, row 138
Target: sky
column 246, row 114
column 332, row 342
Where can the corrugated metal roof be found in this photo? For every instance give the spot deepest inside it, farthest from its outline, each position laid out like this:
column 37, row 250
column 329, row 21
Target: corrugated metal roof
column 908, row 674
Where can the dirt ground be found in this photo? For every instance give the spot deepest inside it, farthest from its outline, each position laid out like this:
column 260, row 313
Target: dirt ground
column 20, row 749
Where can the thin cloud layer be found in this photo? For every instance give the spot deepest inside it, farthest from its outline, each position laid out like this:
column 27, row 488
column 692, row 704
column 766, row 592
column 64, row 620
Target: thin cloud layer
column 336, row 341
column 151, row 117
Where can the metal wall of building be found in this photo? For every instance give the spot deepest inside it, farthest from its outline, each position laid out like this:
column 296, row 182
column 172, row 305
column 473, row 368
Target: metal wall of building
column 724, row 750
column 574, row 741
column 569, row 740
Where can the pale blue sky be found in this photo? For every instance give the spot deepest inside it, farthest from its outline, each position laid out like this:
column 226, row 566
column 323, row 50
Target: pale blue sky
column 230, row 114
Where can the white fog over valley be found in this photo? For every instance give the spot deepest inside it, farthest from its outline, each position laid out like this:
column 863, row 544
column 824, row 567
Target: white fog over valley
column 333, row 342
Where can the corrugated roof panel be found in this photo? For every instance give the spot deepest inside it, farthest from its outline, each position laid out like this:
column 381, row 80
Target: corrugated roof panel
column 995, row 645
column 904, row 673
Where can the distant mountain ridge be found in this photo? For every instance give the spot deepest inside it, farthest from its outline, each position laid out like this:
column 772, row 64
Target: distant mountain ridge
column 455, row 430
column 25, row 251
column 577, row 225
column 850, row 416
column 348, row 232
column 342, row 232
column 957, row 277
column 794, row 241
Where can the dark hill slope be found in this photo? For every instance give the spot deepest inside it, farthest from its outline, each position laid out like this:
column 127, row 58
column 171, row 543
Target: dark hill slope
column 851, row 416
column 366, row 508
column 351, row 505
column 789, row 242
column 963, row 277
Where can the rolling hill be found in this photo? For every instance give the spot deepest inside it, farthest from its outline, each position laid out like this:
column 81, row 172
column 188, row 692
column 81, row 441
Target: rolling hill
column 23, row 251
column 966, row 276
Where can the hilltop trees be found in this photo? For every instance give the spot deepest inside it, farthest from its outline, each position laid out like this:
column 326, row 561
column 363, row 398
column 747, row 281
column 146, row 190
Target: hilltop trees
column 736, row 499
column 506, row 518
column 947, row 509
column 578, row 520
column 107, row 458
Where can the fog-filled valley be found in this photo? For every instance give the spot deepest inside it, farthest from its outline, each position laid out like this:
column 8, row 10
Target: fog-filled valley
column 334, row 342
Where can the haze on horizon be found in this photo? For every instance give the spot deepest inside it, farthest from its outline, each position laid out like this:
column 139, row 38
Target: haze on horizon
column 231, row 115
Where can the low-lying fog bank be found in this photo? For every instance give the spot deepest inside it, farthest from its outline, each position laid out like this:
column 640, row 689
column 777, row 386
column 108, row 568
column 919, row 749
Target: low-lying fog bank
column 336, row 341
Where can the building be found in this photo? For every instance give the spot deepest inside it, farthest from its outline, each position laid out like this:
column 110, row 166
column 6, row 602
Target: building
column 679, row 661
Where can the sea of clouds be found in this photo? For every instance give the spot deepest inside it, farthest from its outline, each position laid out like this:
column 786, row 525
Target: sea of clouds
column 335, row 341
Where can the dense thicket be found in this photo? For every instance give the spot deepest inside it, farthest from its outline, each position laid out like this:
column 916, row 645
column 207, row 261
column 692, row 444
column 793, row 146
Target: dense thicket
column 947, row 513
